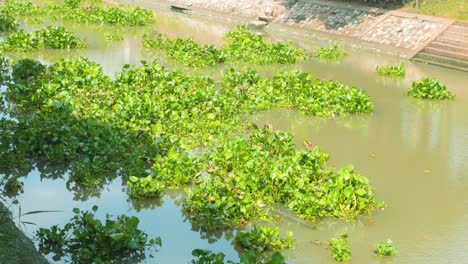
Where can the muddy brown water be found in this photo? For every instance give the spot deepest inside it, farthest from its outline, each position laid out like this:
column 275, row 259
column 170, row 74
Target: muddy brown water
column 414, row 153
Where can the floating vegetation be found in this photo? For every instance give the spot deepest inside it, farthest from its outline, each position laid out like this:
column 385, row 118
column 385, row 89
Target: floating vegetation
column 295, row 90
column 386, row 248
column 77, row 12
column 332, row 53
column 145, row 187
column 339, row 249
column 263, row 238
column 391, row 70
column 158, row 128
column 186, row 51
column 46, row 38
column 241, row 45
column 246, row 176
column 86, row 239
column 430, row 88
column 7, row 22
column 204, row 256
column 113, row 37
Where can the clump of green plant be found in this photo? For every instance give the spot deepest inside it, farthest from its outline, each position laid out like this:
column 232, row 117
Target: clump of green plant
column 186, row 51
column 113, row 37
column 331, row 53
column 27, row 70
column 296, row 90
column 246, row 176
column 391, row 70
column 386, row 248
column 146, row 187
column 7, row 22
column 46, row 38
column 241, row 45
column 204, row 256
column 74, row 10
column 430, row 88
column 339, row 249
column 263, row 238
column 86, row 239
column 177, row 168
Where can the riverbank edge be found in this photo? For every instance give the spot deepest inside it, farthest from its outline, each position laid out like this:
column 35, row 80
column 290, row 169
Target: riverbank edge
column 279, row 21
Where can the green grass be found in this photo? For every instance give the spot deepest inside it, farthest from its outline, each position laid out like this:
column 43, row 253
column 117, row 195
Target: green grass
column 457, row 9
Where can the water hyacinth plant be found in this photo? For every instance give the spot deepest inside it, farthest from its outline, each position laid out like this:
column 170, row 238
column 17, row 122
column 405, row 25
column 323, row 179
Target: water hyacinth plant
column 391, row 70
column 386, row 248
column 204, row 256
column 80, row 12
column 158, row 128
column 86, row 239
column 430, row 88
column 46, row 38
column 333, row 53
column 263, row 238
column 248, row 175
column 241, row 45
column 185, row 51
column 339, row 249
column 7, row 22
column 296, row 90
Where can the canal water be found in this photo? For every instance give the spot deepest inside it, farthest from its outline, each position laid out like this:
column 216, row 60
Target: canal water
column 415, row 154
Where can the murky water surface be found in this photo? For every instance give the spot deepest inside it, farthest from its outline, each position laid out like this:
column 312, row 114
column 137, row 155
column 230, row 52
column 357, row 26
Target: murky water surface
column 414, row 153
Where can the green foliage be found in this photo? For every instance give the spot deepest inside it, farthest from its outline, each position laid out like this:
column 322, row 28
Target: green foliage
column 331, row 53
column 340, row 249
column 27, row 70
column 186, row 51
column 181, row 127
column 386, row 248
column 73, row 10
column 430, row 88
column 177, row 168
column 208, row 257
column 294, row 90
column 46, row 38
column 72, row 3
column 241, row 45
column 7, row 22
column 113, row 37
column 263, row 238
column 15, row 8
column 146, row 187
column 86, row 239
column 391, row 70
column 245, row 176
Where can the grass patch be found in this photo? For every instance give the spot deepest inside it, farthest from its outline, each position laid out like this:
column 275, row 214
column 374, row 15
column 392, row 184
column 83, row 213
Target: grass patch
column 457, row 9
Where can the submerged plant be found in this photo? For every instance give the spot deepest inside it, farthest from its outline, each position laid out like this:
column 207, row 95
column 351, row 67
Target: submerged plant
column 391, row 70
column 46, row 38
column 241, row 45
column 331, row 53
column 263, row 238
column 86, row 239
column 430, row 88
column 339, row 249
column 386, row 248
